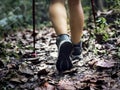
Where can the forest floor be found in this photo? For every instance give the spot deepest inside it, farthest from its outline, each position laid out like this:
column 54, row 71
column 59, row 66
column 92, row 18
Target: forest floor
column 20, row 69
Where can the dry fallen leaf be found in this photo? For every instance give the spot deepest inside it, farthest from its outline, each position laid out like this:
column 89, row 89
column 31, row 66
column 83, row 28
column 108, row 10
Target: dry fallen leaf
column 23, row 68
column 49, row 86
column 101, row 63
column 65, row 85
column 104, row 64
column 46, row 86
column 15, row 80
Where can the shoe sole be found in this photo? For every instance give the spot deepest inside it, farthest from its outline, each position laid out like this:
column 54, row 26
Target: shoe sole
column 64, row 62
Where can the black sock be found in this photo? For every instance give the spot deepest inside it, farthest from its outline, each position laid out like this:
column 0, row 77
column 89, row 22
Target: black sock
column 78, row 44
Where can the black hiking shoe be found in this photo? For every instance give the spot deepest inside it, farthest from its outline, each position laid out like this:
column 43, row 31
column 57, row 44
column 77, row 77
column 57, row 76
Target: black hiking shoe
column 64, row 51
column 77, row 51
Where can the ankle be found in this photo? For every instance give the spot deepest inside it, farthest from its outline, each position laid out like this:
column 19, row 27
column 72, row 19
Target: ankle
column 62, row 37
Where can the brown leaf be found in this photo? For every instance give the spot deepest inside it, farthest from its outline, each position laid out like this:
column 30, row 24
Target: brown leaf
column 49, row 86
column 39, row 88
column 46, row 86
column 101, row 63
column 118, row 41
column 65, row 85
column 19, row 79
column 16, row 80
column 24, row 69
column 104, row 64
column 71, row 71
column 23, row 79
column 80, row 85
column 86, row 78
column 95, row 79
column 92, row 62
column 10, row 66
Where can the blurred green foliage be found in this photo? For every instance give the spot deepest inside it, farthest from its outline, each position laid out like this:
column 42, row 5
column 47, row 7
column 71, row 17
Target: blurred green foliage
column 15, row 11
column 14, row 14
column 17, row 14
column 113, row 4
column 101, row 29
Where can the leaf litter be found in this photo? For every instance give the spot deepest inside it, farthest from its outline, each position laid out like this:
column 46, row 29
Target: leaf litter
column 22, row 69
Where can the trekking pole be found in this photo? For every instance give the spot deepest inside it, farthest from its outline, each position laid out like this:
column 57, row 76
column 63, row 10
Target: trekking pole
column 33, row 16
column 93, row 11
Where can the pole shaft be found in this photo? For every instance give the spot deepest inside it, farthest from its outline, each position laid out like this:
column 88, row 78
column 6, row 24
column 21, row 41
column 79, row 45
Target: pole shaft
column 33, row 16
column 93, row 10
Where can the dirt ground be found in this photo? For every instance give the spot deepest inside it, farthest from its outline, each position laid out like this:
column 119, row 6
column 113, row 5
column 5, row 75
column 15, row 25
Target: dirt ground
column 20, row 69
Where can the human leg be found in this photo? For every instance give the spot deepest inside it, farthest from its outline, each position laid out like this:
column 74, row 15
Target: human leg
column 76, row 25
column 59, row 19
column 76, row 20
column 58, row 16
